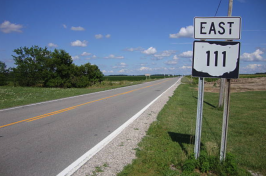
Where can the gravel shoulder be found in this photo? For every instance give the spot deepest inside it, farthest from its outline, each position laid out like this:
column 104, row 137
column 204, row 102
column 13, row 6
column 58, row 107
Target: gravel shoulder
column 121, row 151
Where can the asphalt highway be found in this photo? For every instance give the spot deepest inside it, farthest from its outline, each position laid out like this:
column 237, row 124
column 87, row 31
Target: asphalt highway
column 44, row 139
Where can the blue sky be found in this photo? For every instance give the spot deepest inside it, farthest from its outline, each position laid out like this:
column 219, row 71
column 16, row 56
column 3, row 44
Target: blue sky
column 127, row 36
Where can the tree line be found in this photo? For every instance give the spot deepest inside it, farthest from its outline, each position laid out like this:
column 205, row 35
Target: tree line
column 36, row 66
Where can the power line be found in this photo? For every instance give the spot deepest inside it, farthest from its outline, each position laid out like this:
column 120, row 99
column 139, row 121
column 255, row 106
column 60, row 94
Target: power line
column 218, row 7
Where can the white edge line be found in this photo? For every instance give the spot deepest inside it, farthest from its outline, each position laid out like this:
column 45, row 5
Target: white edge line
column 89, row 154
column 49, row 101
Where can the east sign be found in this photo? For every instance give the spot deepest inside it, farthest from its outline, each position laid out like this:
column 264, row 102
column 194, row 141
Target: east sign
column 217, row 28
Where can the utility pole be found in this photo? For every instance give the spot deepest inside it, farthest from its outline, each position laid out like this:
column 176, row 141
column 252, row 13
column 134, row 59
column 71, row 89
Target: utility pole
column 226, row 105
column 222, row 81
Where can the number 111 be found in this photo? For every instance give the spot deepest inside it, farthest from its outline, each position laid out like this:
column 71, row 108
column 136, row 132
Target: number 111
column 216, row 58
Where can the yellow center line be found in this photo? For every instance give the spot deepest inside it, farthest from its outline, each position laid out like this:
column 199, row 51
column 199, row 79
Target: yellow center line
column 74, row 107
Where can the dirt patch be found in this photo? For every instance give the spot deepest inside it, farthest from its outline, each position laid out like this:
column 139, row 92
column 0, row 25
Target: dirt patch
column 239, row 85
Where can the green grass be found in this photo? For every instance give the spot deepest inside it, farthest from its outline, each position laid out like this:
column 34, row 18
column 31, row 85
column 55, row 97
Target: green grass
column 133, row 78
column 169, row 140
column 16, row 96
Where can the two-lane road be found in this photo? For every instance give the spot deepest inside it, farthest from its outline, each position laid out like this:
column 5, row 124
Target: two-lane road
column 45, row 138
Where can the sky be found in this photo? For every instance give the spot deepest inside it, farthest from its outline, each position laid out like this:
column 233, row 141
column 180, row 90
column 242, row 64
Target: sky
column 129, row 37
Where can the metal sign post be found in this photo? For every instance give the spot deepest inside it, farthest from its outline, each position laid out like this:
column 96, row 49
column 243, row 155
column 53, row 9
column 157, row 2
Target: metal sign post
column 199, row 117
column 225, row 120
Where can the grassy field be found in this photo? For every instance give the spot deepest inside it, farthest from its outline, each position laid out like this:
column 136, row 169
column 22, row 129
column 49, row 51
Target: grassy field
column 11, row 96
column 16, row 96
column 133, row 78
column 169, row 140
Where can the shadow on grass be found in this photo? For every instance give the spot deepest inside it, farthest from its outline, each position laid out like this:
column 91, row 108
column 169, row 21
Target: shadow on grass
column 182, row 139
column 206, row 102
column 211, row 130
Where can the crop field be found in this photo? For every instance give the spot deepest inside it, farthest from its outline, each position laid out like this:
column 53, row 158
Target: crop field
column 252, row 75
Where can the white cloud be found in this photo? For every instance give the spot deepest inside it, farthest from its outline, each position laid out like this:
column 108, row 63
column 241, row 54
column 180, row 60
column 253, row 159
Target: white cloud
column 79, row 28
column 186, row 67
column 92, row 57
column 253, row 68
column 172, row 68
column 120, row 65
column 145, row 69
column 143, row 64
column 111, row 56
column 171, row 62
column 175, row 57
column 7, row 27
column 255, row 56
column 75, row 57
column 105, row 71
column 85, row 54
column 79, row 43
column 98, row 36
column 122, row 70
column 134, row 49
column 165, row 53
column 150, row 50
column 64, row 26
column 184, row 32
column 52, row 45
column 186, row 54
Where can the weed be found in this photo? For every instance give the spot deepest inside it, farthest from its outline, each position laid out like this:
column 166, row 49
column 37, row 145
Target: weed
column 98, row 169
column 137, row 149
column 106, row 165
column 206, row 163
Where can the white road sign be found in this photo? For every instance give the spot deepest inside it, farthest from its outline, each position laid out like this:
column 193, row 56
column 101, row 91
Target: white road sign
column 217, row 28
column 216, row 59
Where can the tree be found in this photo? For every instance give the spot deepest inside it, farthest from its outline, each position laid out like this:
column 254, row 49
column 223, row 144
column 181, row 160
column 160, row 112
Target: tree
column 31, row 65
column 60, row 69
column 37, row 66
column 3, row 74
column 86, row 75
column 94, row 73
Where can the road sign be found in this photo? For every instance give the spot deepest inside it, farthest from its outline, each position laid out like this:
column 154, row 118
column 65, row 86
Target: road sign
column 218, row 59
column 217, row 28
